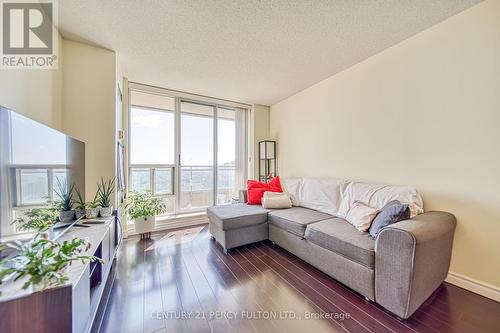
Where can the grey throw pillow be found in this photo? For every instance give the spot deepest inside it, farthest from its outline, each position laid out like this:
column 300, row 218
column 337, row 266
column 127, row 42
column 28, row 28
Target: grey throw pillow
column 394, row 211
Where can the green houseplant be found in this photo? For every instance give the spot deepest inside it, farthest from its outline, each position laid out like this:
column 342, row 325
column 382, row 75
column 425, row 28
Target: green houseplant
column 105, row 189
column 43, row 262
column 80, row 204
column 38, row 219
column 142, row 208
column 64, row 192
column 92, row 207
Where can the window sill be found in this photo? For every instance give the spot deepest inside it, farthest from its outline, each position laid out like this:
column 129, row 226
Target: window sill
column 173, row 222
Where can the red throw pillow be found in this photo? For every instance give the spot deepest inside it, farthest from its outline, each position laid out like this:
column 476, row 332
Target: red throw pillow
column 255, row 190
column 275, row 183
column 254, row 196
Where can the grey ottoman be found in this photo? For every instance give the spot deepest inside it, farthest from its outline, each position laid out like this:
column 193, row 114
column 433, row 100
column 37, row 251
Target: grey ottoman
column 238, row 224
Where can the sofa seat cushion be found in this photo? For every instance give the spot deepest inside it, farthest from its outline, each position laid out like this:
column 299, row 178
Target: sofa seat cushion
column 295, row 219
column 338, row 236
column 236, row 216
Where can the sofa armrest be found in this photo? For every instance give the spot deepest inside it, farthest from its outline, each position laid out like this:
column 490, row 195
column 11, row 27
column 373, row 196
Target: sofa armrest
column 243, row 196
column 412, row 258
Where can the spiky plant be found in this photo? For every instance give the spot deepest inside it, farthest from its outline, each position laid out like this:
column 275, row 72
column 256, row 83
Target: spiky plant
column 65, row 194
column 94, row 203
column 105, row 189
column 79, row 201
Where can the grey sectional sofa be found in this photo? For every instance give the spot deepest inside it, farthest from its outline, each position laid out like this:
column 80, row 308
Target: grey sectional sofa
column 399, row 269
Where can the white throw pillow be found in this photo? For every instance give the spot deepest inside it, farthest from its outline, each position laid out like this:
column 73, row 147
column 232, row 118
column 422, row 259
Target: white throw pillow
column 378, row 195
column 273, row 200
column 361, row 216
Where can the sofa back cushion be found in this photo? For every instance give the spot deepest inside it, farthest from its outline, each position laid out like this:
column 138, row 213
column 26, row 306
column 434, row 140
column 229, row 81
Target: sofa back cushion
column 377, row 196
column 292, row 187
column 323, row 195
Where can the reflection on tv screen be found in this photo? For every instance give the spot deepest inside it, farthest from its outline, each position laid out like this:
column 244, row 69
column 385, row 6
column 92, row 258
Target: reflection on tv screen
column 34, row 159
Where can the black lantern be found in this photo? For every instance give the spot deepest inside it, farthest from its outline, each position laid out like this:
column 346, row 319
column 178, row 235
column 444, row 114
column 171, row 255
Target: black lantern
column 267, row 160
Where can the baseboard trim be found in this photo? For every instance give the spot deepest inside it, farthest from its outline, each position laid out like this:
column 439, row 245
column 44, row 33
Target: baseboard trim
column 476, row 286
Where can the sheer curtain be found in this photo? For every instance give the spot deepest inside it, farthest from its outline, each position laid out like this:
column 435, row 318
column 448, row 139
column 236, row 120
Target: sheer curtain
column 241, row 145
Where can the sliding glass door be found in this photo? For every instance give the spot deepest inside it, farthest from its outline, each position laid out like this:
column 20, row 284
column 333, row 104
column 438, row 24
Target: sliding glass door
column 231, row 153
column 152, row 146
column 196, row 156
column 192, row 154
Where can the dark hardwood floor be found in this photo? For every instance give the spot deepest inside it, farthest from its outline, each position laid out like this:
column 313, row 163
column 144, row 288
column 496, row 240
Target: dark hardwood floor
column 182, row 281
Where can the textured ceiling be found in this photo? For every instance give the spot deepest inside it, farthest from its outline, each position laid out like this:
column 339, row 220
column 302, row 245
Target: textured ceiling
column 246, row 50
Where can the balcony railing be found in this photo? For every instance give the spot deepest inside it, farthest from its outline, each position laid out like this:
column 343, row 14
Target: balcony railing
column 196, row 184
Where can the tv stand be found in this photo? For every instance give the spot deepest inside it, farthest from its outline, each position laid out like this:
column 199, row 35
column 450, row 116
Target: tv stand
column 71, row 307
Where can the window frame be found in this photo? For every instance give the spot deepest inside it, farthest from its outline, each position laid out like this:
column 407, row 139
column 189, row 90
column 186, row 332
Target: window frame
column 50, row 170
column 152, row 176
column 152, row 167
column 176, row 167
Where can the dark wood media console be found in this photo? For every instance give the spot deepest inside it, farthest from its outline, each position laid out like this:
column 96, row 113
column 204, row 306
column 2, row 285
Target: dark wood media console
column 73, row 306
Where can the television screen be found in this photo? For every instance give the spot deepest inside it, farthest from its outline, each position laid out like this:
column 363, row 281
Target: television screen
column 34, row 160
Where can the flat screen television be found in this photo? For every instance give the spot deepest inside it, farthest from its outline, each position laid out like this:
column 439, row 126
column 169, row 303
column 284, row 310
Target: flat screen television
column 33, row 158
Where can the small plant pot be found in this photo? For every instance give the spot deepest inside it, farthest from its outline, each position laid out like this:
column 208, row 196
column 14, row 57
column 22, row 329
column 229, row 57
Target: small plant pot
column 145, row 224
column 106, row 211
column 66, row 216
column 91, row 213
column 79, row 213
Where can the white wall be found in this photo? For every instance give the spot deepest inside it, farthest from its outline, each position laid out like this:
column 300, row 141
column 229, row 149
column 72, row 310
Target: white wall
column 424, row 113
column 259, row 131
column 79, row 98
column 89, row 107
column 35, row 93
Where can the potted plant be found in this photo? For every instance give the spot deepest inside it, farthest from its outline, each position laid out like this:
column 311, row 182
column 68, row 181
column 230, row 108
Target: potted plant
column 105, row 189
column 142, row 208
column 80, row 205
column 92, row 208
column 43, row 262
column 40, row 220
column 65, row 202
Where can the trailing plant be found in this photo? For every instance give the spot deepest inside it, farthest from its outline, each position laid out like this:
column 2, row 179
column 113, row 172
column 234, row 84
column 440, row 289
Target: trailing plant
column 43, row 262
column 105, row 189
column 39, row 219
column 79, row 201
column 143, row 205
column 65, row 194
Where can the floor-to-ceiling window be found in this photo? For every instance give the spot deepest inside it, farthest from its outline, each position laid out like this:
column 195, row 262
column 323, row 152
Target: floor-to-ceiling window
column 231, row 153
column 197, row 156
column 190, row 151
column 152, row 145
